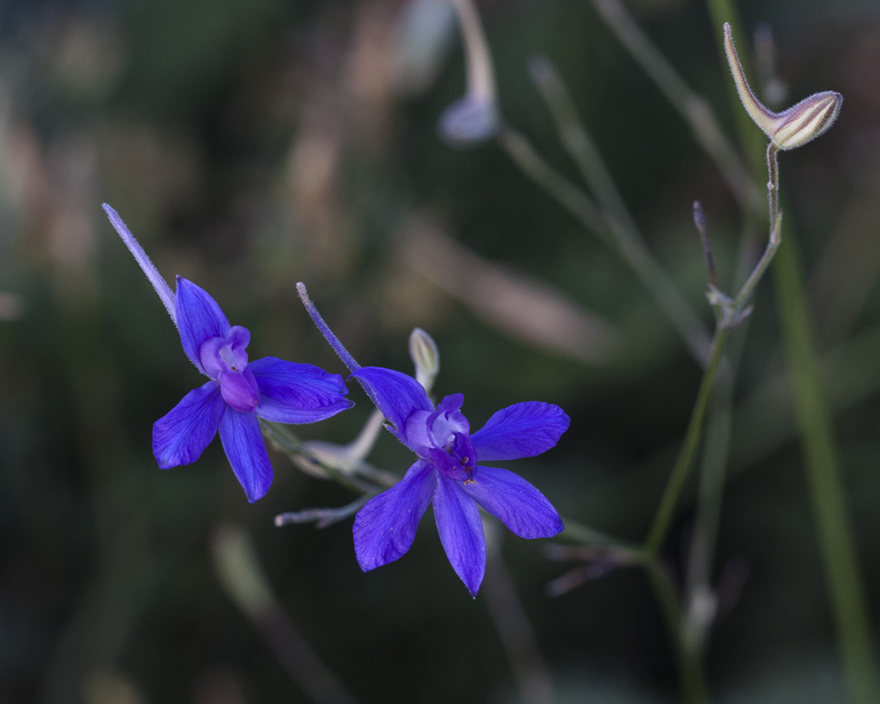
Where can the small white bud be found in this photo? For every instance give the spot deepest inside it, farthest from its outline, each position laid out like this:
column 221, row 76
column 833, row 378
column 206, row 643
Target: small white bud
column 790, row 128
column 425, row 356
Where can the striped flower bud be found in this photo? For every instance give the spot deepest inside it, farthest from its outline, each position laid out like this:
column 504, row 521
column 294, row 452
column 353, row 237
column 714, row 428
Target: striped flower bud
column 790, row 128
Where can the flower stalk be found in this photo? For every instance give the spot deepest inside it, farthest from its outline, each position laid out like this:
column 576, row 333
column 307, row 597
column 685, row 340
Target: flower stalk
column 836, row 542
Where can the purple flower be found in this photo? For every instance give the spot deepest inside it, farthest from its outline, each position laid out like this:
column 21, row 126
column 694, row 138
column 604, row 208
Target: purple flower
column 238, row 393
column 447, row 473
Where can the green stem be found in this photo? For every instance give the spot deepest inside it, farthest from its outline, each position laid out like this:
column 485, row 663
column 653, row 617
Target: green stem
column 621, row 228
column 688, row 668
column 836, row 543
column 578, row 533
column 685, row 460
column 613, row 232
column 285, row 441
column 693, row 108
column 775, row 232
column 693, row 688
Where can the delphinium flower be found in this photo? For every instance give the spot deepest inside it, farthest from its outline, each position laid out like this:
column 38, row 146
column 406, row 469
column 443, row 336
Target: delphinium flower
column 451, row 470
column 238, row 393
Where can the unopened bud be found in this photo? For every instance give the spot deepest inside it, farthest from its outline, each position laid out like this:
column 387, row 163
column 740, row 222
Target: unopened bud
column 474, row 118
column 807, row 120
column 468, row 122
column 425, row 356
column 790, row 128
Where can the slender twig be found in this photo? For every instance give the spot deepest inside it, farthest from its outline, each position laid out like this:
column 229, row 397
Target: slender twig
column 666, row 509
column 693, row 688
column 620, row 225
column 775, row 231
column 512, row 624
column 610, row 230
column 285, row 441
column 836, row 542
column 526, row 158
column 244, row 581
column 323, row 517
column 583, row 535
column 694, row 109
column 620, row 553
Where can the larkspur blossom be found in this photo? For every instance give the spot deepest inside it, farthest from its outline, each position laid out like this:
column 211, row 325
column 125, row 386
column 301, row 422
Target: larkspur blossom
column 447, row 473
column 238, row 393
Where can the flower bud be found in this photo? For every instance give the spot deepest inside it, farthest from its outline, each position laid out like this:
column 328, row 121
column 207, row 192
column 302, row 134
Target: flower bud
column 468, row 122
column 474, row 118
column 425, row 356
column 790, row 128
column 806, row 120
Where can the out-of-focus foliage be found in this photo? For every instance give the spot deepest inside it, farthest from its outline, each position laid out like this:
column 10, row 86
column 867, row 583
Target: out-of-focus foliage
column 251, row 145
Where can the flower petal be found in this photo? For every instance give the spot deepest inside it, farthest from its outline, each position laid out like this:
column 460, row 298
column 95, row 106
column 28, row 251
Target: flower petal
column 240, row 390
column 449, row 419
column 396, row 394
column 199, row 318
column 461, row 532
column 246, row 450
column 182, row 435
column 521, row 430
column 384, row 529
column 297, row 393
column 519, row 505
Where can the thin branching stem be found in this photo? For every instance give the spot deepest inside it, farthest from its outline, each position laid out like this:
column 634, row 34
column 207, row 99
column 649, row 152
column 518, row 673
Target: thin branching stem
column 621, row 228
column 694, row 109
column 666, row 509
column 288, row 443
column 609, row 228
column 693, row 687
column 821, row 463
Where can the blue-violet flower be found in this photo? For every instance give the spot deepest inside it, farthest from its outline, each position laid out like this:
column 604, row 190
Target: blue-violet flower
column 238, row 393
column 447, row 473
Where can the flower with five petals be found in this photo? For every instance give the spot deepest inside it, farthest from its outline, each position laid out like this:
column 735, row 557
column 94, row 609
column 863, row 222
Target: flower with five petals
column 239, row 391
column 447, row 473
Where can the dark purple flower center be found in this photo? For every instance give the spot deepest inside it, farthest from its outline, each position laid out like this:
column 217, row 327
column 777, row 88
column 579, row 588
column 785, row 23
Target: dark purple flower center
column 444, row 438
column 225, row 360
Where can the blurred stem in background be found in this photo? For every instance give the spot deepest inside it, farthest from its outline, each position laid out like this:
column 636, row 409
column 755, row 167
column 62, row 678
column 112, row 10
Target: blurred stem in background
column 512, row 623
column 618, row 226
column 242, row 577
column 615, row 233
column 836, row 542
column 614, row 225
column 612, row 222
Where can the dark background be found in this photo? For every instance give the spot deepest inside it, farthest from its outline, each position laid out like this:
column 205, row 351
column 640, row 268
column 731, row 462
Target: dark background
column 251, row 145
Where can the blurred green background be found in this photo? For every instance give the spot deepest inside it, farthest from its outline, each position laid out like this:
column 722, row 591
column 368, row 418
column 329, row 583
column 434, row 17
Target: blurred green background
column 251, row 145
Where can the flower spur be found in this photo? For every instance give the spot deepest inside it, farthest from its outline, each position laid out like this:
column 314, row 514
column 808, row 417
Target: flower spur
column 238, row 393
